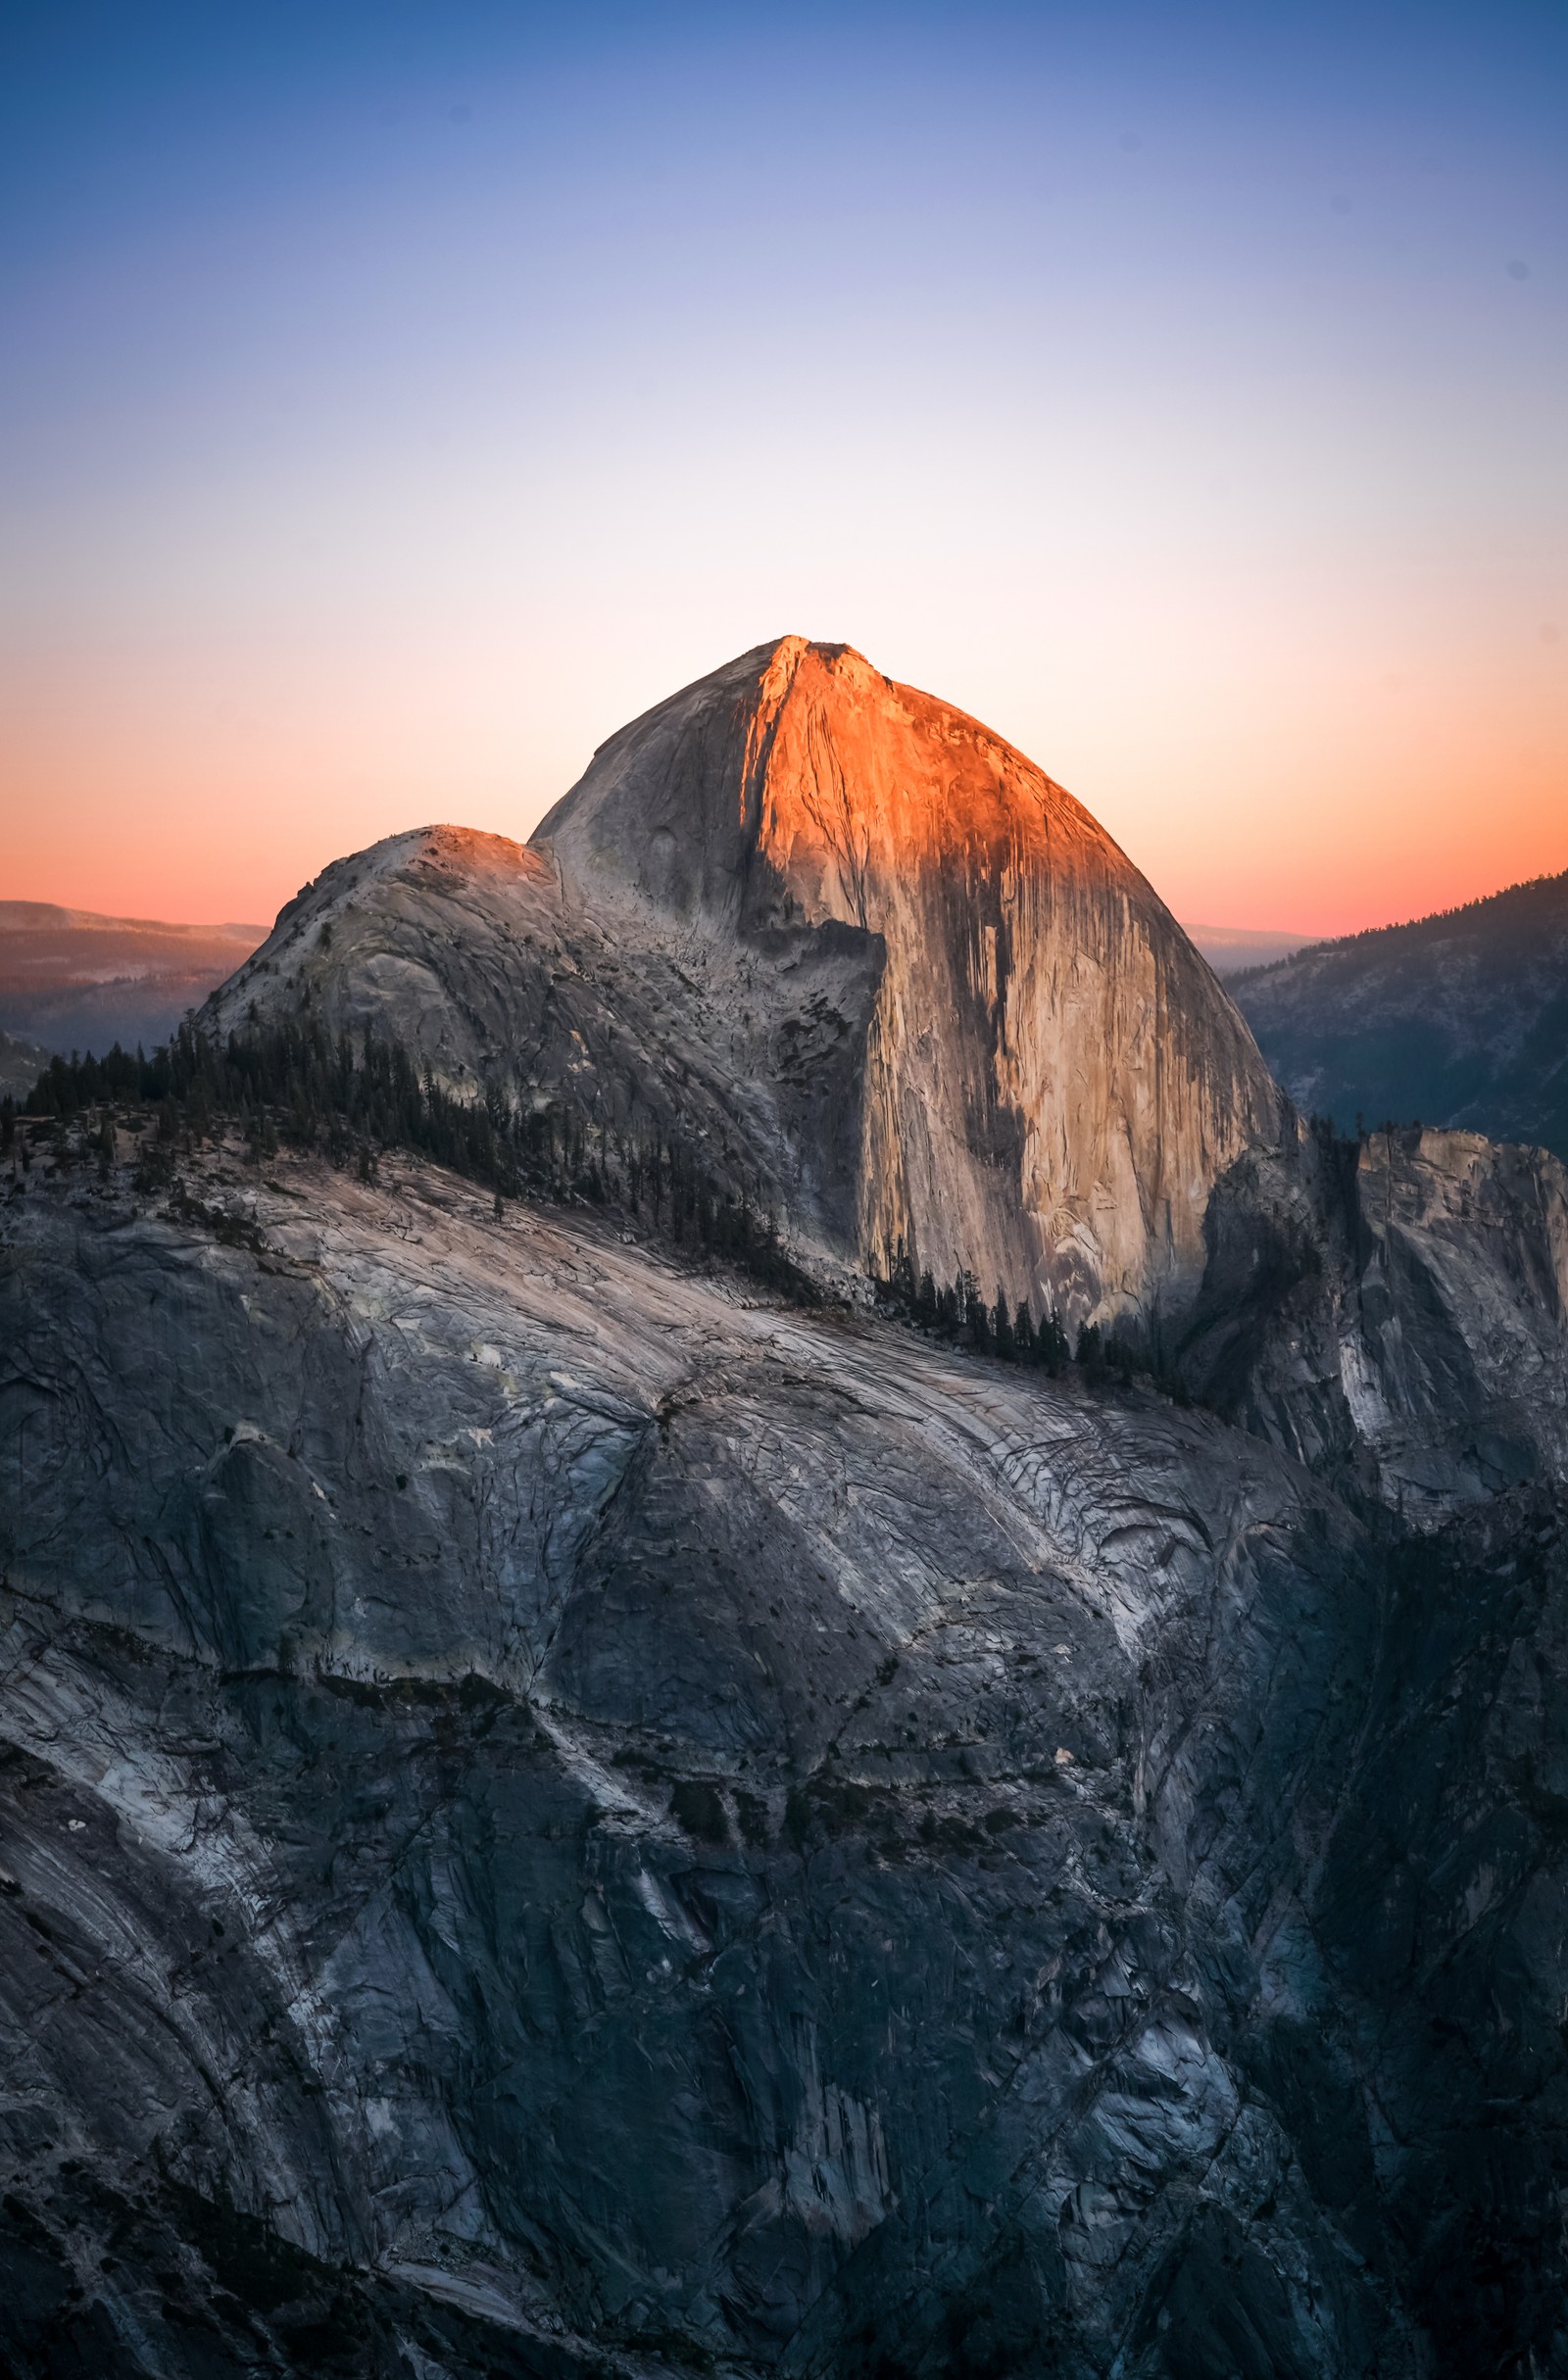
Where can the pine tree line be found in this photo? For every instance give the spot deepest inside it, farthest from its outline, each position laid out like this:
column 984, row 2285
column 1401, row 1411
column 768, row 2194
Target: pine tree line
column 296, row 1082
column 1007, row 1329
column 957, row 1312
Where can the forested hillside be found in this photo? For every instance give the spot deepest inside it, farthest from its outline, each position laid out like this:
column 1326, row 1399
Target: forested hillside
column 1459, row 1019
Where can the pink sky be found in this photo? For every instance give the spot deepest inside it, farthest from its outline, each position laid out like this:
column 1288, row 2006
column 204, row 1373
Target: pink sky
column 386, row 424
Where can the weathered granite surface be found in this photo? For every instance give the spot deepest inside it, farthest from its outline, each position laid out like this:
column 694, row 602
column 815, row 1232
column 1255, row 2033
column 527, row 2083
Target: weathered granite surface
column 557, row 1818
column 1393, row 1313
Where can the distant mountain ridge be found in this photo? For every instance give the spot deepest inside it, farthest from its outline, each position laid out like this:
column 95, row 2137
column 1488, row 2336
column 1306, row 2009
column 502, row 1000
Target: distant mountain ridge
column 71, row 979
column 1459, row 1019
column 1236, row 950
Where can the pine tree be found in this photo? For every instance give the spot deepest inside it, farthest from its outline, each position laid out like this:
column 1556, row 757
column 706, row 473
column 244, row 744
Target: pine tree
column 976, row 1314
column 1052, row 1344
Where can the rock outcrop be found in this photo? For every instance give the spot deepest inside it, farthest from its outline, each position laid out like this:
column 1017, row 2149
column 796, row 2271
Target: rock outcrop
column 21, row 1062
column 557, row 1821
column 1392, row 1312
column 849, row 934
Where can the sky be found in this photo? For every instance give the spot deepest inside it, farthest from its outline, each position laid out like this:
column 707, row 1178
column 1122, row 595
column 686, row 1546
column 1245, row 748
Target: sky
column 395, row 399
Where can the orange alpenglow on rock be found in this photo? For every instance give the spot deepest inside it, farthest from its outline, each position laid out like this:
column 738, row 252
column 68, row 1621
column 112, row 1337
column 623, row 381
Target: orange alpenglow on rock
column 855, row 948
column 1052, row 1079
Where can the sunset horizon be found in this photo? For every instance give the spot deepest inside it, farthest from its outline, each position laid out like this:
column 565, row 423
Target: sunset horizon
column 400, row 405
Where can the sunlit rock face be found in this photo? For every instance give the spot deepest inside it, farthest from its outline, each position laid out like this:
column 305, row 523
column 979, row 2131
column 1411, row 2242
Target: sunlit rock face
column 855, row 945
column 1049, row 1078
column 859, row 954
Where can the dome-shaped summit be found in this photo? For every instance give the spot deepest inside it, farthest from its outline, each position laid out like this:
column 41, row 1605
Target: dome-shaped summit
column 1050, row 1077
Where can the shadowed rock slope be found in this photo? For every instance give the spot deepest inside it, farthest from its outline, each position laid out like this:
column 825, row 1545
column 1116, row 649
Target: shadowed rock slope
column 1391, row 1312
column 854, row 941
column 557, row 1821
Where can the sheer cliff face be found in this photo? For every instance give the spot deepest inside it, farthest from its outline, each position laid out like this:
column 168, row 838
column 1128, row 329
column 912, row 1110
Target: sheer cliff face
column 1050, row 1079
column 1393, row 1311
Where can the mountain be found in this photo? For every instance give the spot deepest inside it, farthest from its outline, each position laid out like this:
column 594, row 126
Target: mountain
column 1459, row 1019
column 1232, row 949
column 876, row 962
column 72, row 980
column 568, row 1807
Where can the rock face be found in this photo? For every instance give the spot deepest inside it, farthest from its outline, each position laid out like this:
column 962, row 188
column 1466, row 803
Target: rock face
column 558, row 1821
column 851, row 935
column 1392, row 1313
column 21, row 1062
column 1460, row 1019
column 560, row 1817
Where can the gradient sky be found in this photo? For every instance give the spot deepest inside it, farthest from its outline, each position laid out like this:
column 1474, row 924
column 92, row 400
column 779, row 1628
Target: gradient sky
column 396, row 398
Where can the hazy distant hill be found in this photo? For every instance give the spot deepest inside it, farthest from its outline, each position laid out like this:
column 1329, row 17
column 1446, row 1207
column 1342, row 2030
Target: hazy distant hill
column 1230, row 949
column 72, row 980
column 1458, row 1019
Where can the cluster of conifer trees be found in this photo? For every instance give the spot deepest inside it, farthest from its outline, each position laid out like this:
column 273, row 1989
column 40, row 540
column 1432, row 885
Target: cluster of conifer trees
column 959, row 1312
column 1007, row 1329
column 352, row 1100
column 295, row 1082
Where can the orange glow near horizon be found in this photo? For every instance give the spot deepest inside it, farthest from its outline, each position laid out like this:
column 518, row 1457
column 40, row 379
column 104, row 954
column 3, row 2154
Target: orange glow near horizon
column 388, row 420
column 1311, row 809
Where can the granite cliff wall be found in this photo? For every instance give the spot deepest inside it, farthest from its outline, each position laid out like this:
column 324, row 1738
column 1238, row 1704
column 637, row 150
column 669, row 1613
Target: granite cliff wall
column 1051, row 1078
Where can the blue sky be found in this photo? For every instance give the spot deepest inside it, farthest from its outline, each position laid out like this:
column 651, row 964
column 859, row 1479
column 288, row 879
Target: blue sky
column 398, row 398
